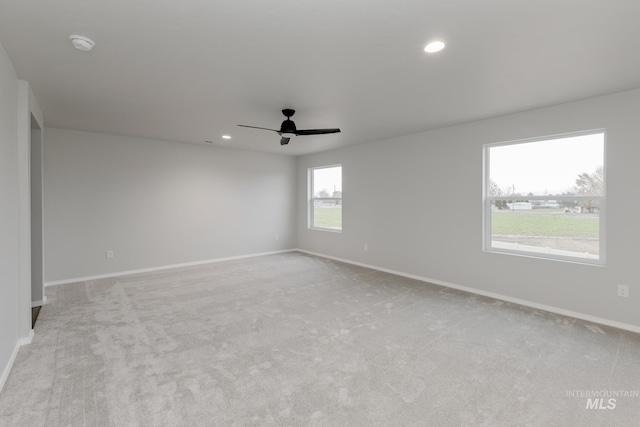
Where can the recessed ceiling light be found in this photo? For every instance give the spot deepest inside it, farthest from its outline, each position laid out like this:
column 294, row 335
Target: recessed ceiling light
column 226, row 136
column 434, row 46
column 82, row 43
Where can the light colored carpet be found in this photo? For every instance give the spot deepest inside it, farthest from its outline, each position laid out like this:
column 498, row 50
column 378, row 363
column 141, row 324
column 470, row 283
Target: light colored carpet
column 297, row 340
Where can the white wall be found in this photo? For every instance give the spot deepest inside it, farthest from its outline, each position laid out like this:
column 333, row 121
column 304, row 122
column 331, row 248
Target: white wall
column 157, row 203
column 9, row 219
column 417, row 202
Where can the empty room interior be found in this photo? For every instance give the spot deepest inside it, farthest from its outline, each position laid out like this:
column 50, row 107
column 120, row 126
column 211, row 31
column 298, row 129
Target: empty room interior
column 319, row 213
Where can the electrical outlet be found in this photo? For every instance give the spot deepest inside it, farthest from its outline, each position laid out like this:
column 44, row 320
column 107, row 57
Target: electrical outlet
column 366, row 247
column 109, row 254
column 623, row 291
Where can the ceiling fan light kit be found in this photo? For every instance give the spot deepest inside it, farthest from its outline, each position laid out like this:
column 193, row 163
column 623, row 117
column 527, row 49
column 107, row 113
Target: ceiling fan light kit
column 288, row 128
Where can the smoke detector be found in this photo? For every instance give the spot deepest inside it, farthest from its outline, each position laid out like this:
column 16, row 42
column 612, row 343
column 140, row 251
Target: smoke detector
column 82, row 43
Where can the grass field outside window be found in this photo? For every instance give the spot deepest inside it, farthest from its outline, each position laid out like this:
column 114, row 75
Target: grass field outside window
column 328, row 217
column 545, row 224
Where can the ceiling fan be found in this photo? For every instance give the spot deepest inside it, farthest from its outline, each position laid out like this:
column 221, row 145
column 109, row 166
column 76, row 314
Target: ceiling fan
column 288, row 128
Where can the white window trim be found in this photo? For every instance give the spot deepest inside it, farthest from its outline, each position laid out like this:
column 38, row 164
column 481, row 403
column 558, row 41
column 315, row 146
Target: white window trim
column 486, row 202
column 311, row 199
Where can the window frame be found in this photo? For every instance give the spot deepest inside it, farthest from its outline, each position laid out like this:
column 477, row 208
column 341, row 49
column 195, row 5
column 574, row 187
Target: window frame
column 312, row 199
column 487, row 201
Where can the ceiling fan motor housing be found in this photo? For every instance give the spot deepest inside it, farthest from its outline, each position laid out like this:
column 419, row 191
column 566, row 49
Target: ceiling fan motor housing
column 288, row 127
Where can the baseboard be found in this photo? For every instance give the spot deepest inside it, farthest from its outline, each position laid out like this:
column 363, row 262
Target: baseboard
column 12, row 359
column 160, row 268
column 27, row 340
column 39, row 303
column 551, row 309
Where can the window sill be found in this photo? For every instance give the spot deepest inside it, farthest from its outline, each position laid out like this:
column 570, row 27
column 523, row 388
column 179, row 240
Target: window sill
column 330, row 230
column 594, row 262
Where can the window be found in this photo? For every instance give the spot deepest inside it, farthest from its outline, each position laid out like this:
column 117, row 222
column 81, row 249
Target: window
column 546, row 197
column 325, row 198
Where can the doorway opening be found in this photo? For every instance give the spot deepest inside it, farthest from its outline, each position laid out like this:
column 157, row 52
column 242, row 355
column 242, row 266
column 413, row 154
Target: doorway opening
column 37, row 274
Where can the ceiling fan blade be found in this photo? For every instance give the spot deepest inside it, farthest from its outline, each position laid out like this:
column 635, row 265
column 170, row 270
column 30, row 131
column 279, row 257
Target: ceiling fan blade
column 316, row 131
column 284, row 141
column 256, row 127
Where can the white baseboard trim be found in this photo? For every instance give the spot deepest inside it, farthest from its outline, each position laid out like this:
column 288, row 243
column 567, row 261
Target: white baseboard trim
column 163, row 267
column 39, row 303
column 551, row 309
column 12, row 359
column 27, row 340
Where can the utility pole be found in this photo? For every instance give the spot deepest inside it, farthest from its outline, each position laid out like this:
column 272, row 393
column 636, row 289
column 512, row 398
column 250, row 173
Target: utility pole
column 513, row 204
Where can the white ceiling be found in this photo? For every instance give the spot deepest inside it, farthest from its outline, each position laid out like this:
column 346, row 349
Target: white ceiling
column 191, row 70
